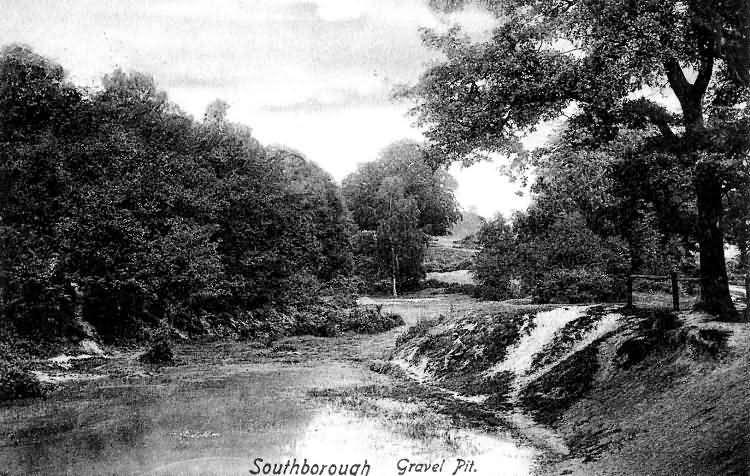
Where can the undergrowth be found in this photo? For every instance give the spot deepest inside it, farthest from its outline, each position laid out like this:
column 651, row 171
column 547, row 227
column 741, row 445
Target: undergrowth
column 16, row 381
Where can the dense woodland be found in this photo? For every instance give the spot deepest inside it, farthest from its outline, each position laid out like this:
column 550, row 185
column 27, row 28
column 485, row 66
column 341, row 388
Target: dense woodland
column 120, row 209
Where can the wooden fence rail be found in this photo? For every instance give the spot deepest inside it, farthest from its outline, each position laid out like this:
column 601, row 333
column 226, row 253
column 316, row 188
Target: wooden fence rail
column 673, row 277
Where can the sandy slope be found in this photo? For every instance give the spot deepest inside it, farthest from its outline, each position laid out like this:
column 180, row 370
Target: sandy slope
column 682, row 408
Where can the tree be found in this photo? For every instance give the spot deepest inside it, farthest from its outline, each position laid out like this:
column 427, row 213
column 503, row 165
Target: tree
column 321, row 220
column 403, row 200
column 598, row 59
column 621, row 188
column 216, row 112
column 40, row 114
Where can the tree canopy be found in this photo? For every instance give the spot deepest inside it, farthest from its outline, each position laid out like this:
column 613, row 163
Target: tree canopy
column 603, row 64
column 403, row 200
column 152, row 215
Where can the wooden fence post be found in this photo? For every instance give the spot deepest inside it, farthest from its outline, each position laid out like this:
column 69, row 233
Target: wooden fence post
column 675, row 291
column 630, row 291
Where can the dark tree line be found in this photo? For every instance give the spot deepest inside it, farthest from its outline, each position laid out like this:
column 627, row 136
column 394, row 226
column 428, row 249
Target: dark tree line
column 152, row 215
column 117, row 207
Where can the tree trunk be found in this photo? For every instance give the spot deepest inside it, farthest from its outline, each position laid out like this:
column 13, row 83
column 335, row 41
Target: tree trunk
column 394, row 270
column 742, row 245
column 715, row 297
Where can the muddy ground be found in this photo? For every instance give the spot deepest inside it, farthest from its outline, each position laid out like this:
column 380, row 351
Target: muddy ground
column 228, row 403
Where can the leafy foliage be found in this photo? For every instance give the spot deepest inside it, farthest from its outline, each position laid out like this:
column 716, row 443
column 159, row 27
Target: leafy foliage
column 16, row 381
column 160, row 352
column 556, row 260
column 597, row 62
column 398, row 201
column 153, row 216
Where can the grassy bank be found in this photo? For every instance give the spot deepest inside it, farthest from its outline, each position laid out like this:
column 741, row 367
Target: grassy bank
column 630, row 393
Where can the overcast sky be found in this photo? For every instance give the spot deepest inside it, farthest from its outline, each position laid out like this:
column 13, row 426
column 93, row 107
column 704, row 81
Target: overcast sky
column 314, row 75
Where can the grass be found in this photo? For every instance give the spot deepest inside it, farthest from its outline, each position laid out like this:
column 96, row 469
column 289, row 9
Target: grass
column 440, row 259
column 659, row 299
column 420, row 329
column 465, row 345
column 557, row 390
column 400, row 413
column 416, row 411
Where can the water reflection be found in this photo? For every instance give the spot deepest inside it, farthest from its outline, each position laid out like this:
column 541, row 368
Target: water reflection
column 335, row 436
column 338, row 439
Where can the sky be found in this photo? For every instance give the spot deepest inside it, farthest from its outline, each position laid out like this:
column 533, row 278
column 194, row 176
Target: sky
column 314, row 75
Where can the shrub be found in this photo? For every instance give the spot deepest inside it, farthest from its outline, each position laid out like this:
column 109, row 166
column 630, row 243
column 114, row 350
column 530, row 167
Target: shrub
column 451, row 288
column 330, row 320
column 417, row 330
column 39, row 309
column 160, row 352
column 318, row 322
column 16, row 381
column 370, row 320
column 562, row 260
column 651, row 286
column 578, row 285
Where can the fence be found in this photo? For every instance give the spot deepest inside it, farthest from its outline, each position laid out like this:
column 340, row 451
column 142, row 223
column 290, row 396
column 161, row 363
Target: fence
column 673, row 277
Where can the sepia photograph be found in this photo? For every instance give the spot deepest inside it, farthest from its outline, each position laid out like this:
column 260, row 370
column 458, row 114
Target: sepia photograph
column 374, row 237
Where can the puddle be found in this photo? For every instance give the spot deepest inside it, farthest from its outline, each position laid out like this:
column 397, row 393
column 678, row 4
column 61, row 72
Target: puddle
column 52, row 377
column 341, row 439
column 364, row 439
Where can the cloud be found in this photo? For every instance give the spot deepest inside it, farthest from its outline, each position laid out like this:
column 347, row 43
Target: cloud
column 331, row 101
column 313, row 74
column 184, row 80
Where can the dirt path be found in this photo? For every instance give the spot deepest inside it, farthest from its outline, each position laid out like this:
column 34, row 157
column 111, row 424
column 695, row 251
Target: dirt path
column 231, row 403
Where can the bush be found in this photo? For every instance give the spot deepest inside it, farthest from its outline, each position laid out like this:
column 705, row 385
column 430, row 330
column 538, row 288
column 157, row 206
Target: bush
column 578, row 285
column 16, row 381
column 563, row 260
column 652, row 286
column 39, row 309
column 451, row 288
column 417, row 330
column 160, row 352
column 371, row 320
column 320, row 321
column 330, row 321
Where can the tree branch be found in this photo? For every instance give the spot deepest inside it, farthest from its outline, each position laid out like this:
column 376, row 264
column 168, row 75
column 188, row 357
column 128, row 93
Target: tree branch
column 677, row 80
column 704, row 76
column 634, row 112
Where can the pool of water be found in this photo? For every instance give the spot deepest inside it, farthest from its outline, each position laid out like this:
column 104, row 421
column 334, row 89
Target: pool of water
column 341, row 441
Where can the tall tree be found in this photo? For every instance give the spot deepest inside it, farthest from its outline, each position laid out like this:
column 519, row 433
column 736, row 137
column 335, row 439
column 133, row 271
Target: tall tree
column 601, row 57
column 403, row 199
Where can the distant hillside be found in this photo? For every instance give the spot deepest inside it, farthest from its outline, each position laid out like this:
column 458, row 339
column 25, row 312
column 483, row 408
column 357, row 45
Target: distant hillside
column 445, row 254
column 470, row 223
